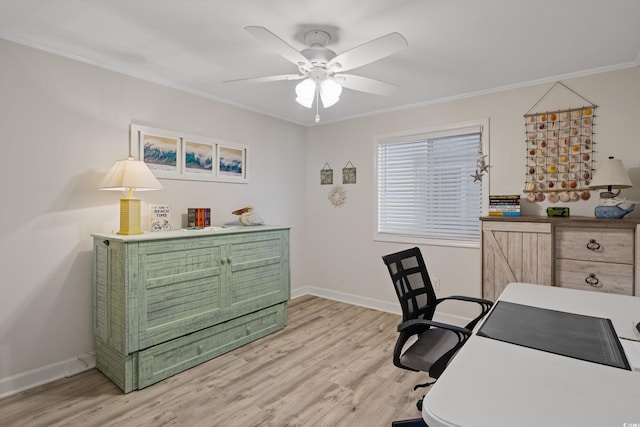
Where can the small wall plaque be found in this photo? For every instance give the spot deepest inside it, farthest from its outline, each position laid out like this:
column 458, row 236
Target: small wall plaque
column 349, row 173
column 326, row 175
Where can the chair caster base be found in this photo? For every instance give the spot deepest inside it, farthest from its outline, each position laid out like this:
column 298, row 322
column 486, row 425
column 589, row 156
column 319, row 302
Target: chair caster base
column 417, row 386
column 416, row 422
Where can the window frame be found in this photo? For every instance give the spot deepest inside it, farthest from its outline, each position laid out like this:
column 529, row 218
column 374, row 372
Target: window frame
column 432, row 131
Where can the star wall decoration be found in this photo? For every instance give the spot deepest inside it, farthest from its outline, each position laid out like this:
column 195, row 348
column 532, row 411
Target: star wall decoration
column 481, row 167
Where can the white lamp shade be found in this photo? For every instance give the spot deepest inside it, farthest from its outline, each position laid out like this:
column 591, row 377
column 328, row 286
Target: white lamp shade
column 610, row 173
column 330, row 92
column 306, row 91
column 129, row 175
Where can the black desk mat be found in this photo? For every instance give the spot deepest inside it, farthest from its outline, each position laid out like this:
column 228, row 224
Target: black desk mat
column 573, row 335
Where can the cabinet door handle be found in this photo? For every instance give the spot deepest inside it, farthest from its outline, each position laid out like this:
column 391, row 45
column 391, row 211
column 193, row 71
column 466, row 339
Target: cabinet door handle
column 593, row 245
column 228, row 260
column 222, row 261
column 592, row 280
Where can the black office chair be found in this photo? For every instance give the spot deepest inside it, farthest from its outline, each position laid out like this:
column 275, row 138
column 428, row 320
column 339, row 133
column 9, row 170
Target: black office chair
column 435, row 343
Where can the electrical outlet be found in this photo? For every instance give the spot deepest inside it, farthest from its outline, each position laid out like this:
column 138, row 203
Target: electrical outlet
column 436, row 283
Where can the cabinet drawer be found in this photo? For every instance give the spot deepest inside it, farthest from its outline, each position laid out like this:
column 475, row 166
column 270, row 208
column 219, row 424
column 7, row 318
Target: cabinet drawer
column 607, row 277
column 163, row 360
column 595, row 244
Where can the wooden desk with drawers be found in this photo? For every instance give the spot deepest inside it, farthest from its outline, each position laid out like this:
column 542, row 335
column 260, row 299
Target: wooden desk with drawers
column 580, row 252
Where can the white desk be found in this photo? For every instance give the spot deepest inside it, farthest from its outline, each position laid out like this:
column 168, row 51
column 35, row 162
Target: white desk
column 493, row 384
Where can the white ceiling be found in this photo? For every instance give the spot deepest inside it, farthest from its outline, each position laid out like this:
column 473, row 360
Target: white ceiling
column 456, row 47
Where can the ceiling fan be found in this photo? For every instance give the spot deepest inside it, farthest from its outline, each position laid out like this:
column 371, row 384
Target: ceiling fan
column 322, row 70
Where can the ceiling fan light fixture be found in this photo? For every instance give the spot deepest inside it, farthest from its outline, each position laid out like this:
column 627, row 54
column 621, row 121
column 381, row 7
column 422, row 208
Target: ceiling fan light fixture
column 320, row 68
column 305, row 102
column 306, row 91
column 330, row 92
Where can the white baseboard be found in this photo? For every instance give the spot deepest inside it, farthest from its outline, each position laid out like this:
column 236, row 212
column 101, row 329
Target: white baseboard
column 376, row 304
column 26, row 380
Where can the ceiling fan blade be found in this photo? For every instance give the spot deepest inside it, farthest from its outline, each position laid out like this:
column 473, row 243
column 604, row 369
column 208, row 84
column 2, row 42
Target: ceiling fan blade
column 365, row 84
column 368, row 52
column 278, row 45
column 267, row 78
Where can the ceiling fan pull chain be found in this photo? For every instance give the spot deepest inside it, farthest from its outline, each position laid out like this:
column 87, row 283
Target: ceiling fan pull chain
column 317, row 96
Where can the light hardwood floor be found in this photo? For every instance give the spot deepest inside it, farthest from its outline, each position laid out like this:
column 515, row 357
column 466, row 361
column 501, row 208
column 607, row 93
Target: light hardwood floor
column 331, row 366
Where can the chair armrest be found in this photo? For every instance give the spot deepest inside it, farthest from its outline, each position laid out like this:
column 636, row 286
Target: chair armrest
column 485, row 303
column 419, row 325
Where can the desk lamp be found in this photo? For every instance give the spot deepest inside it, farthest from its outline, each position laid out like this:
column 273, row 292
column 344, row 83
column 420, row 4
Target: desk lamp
column 129, row 175
column 610, row 175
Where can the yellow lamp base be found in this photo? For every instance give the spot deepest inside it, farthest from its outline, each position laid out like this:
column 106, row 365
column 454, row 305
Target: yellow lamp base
column 130, row 216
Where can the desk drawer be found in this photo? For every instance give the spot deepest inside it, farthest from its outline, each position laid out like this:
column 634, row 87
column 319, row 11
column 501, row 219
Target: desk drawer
column 595, row 244
column 604, row 277
column 161, row 361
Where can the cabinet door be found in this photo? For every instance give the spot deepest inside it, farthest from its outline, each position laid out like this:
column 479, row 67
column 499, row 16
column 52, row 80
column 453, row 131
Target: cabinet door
column 179, row 287
column 258, row 267
column 515, row 252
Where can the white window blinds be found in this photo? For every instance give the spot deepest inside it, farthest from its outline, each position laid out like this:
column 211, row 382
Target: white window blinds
column 425, row 186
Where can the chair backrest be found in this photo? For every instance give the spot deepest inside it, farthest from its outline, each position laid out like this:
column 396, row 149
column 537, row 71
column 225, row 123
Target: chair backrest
column 412, row 283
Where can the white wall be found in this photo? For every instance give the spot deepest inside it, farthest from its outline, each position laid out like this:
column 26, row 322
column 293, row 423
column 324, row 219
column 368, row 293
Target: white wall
column 344, row 261
column 62, row 125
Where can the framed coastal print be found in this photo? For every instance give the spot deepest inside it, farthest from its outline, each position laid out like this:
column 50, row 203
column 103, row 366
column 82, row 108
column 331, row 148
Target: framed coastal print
column 232, row 162
column 160, row 151
column 179, row 155
column 199, row 159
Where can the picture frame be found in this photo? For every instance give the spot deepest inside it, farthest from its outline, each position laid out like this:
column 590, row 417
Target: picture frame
column 199, row 158
column 232, row 162
column 160, row 151
column 326, row 175
column 349, row 173
column 182, row 156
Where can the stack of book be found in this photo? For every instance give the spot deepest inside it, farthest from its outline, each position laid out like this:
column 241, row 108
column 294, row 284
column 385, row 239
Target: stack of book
column 199, row 217
column 504, row 205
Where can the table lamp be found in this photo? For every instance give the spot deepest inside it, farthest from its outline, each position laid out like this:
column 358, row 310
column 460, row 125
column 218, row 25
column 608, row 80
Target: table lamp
column 129, row 175
column 611, row 174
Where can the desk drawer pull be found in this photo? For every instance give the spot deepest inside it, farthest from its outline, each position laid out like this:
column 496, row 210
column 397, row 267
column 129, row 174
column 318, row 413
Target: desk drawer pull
column 592, row 280
column 593, row 245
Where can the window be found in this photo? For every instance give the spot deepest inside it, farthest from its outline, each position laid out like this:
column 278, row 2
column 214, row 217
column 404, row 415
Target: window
column 425, row 187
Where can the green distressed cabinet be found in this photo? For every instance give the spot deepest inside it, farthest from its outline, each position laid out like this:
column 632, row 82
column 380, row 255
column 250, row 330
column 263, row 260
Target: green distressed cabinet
column 165, row 302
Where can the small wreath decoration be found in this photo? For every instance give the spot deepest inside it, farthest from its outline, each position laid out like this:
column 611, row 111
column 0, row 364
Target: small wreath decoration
column 337, row 196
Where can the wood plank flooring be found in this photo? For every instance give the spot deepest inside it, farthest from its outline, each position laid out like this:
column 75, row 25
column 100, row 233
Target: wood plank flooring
column 331, row 366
